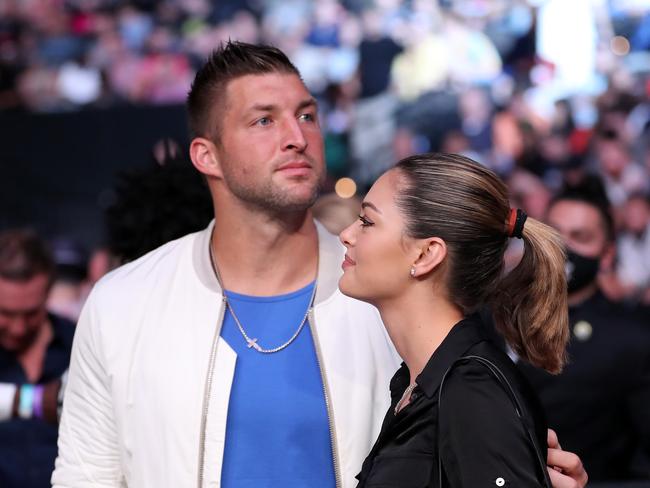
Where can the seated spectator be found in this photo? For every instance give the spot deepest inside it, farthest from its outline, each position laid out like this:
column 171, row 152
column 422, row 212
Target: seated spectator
column 34, row 353
column 600, row 404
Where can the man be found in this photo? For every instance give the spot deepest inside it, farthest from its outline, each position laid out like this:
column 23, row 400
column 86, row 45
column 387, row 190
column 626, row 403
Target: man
column 600, row 404
column 34, row 352
column 229, row 357
column 633, row 270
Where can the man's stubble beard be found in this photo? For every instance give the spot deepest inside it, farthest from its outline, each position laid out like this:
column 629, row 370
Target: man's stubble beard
column 272, row 199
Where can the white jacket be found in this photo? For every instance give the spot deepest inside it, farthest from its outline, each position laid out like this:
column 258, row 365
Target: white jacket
column 148, row 389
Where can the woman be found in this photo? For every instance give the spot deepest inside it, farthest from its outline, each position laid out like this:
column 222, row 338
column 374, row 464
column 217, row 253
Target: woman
column 428, row 251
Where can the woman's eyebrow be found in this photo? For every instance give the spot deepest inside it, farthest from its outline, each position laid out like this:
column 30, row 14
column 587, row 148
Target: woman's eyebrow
column 370, row 205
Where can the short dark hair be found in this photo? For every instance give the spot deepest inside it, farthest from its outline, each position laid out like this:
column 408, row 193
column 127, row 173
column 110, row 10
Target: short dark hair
column 229, row 61
column 24, row 255
column 590, row 191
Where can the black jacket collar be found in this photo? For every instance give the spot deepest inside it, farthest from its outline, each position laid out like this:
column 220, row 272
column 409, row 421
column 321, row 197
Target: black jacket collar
column 462, row 336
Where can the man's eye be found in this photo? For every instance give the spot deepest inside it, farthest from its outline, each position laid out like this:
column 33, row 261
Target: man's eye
column 263, row 121
column 307, row 117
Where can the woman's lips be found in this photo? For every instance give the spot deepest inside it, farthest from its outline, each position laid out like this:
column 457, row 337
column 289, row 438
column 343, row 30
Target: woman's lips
column 347, row 262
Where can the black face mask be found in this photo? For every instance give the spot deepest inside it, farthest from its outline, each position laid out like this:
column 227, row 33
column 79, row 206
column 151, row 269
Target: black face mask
column 580, row 270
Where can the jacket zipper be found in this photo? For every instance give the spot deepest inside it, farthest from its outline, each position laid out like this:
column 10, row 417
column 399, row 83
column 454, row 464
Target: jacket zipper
column 208, row 390
column 328, row 403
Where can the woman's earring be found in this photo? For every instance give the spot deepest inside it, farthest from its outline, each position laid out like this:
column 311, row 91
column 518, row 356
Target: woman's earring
column 413, row 271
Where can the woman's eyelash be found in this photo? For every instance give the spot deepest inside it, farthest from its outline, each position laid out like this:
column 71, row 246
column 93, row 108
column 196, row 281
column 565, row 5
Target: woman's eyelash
column 364, row 221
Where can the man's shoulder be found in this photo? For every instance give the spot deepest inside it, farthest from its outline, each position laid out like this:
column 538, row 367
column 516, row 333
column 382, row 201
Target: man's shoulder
column 165, row 256
column 618, row 329
column 148, row 272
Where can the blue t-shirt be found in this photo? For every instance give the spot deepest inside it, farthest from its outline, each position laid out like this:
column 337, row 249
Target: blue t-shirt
column 277, row 433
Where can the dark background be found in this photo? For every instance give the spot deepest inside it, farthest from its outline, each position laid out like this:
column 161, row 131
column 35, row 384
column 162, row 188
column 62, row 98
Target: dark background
column 57, row 170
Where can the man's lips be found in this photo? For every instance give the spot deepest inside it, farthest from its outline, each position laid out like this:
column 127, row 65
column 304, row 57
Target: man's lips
column 295, row 168
column 294, row 165
column 347, row 262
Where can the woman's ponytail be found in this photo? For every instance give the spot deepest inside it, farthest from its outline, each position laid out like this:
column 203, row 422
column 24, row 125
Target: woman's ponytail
column 529, row 305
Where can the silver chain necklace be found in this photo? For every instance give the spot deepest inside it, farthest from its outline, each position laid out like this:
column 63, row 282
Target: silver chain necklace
column 252, row 343
column 405, row 395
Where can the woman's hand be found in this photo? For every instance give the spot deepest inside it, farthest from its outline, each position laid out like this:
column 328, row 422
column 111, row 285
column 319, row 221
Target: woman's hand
column 565, row 468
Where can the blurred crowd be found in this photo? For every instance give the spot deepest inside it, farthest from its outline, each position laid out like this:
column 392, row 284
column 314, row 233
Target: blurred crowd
column 541, row 91
column 550, row 94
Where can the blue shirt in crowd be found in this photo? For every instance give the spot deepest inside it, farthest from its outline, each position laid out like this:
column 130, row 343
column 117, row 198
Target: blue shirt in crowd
column 28, row 446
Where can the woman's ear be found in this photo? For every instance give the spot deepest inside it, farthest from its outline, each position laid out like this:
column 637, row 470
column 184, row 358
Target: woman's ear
column 203, row 154
column 433, row 252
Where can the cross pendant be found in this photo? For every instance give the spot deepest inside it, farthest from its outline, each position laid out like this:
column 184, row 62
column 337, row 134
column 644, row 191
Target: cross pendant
column 251, row 343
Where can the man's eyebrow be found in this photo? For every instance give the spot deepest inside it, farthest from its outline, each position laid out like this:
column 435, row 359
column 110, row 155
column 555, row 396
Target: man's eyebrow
column 370, row 205
column 309, row 102
column 263, row 108
column 270, row 107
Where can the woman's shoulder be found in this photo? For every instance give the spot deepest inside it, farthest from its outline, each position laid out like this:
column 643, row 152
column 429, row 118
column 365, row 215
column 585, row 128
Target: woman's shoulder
column 485, row 379
column 489, row 365
column 480, row 426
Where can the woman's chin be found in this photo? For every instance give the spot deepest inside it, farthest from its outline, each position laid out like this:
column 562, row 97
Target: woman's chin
column 347, row 288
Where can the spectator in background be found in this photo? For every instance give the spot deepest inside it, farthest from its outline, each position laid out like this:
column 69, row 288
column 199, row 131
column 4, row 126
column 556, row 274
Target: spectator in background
column 34, row 352
column 529, row 193
column 621, row 174
column 155, row 205
column 373, row 125
column 600, row 404
column 634, row 249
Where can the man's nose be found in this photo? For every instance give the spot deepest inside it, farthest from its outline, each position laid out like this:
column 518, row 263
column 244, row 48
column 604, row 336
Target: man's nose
column 293, row 136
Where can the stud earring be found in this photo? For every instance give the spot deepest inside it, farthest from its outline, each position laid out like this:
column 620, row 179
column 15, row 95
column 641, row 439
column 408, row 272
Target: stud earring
column 413, row 271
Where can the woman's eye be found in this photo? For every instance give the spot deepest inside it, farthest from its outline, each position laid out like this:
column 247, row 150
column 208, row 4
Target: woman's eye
column 364, row 221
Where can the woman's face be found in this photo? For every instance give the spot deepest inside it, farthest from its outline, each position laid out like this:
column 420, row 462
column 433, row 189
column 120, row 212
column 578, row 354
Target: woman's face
column 379, row 256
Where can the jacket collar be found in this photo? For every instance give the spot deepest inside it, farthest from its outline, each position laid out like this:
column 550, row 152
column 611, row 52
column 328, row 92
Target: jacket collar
column 462, row 336
column 331, row 253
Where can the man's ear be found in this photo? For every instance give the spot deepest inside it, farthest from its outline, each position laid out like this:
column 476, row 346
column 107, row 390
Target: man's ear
column 433, row 252
column 205, row 159
column 608, row 258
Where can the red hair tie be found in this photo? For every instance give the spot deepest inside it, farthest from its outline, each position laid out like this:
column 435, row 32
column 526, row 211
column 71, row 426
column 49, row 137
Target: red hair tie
column 516, row 221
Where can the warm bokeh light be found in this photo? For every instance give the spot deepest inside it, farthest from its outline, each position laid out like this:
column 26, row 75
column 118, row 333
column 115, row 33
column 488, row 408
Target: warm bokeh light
column 345, row 188
column 620, row 45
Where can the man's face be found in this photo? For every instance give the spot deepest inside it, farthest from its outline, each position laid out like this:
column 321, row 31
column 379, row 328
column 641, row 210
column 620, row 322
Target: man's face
column 270, row 149
column 22, row 311
column 581, row 226
column 637, row 216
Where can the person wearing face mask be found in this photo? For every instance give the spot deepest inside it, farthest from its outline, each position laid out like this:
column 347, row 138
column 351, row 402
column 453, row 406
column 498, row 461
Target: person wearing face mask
column 600, row 404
